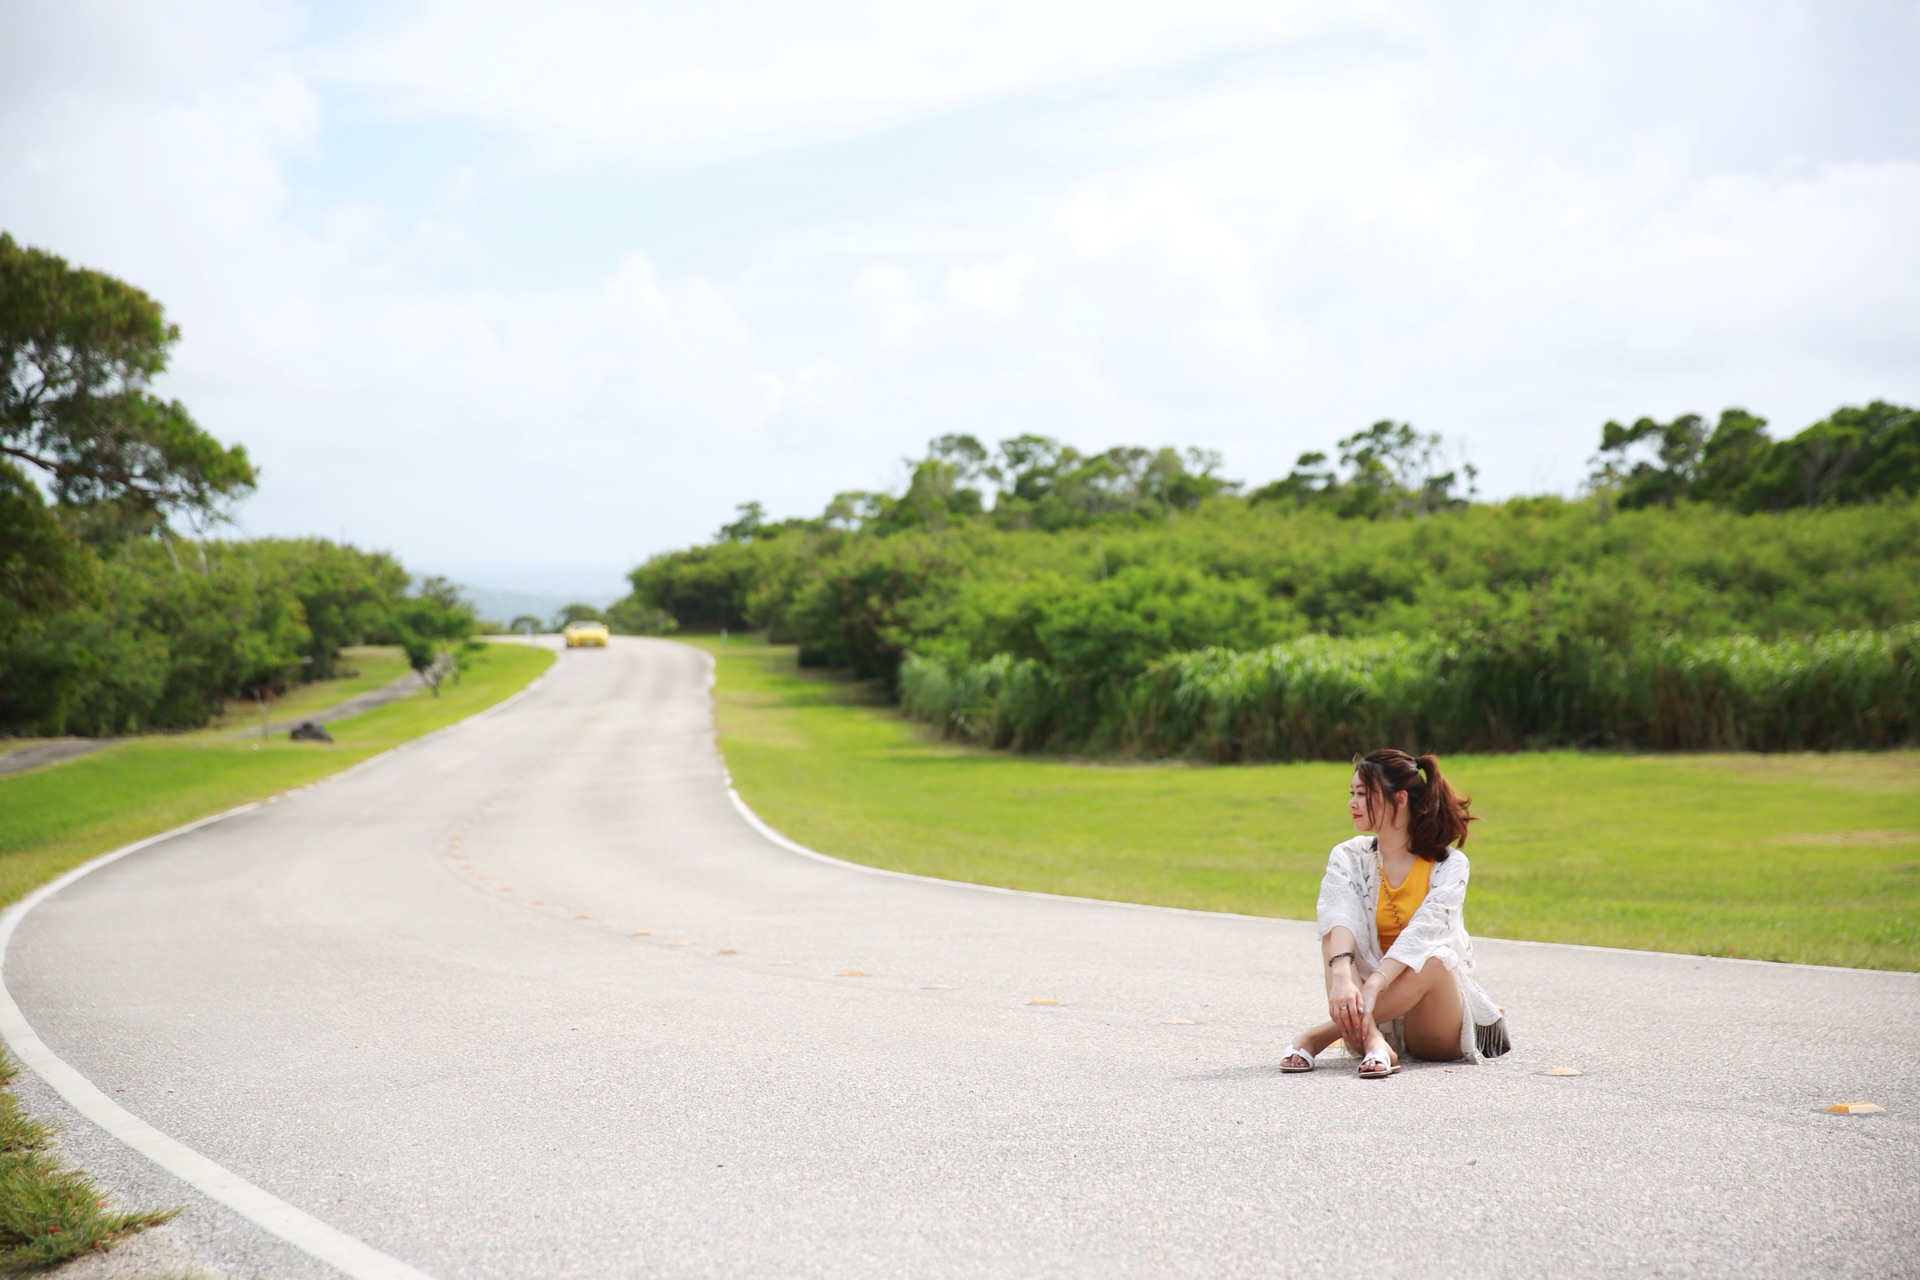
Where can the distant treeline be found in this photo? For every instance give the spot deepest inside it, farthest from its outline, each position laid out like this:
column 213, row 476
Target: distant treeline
column 1389, row 470
column 1085, row 581
column 626, row 617
column 131, row 642
column 149, row 634
column 110, row 621
column 1102, row 603
column 1852, row 456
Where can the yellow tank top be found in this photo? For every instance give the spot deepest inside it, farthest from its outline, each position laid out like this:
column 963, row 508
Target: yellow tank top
column 1396, row 906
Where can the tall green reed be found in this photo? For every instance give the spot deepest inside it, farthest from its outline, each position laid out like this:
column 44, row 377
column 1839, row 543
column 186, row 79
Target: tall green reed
column 1326, row 698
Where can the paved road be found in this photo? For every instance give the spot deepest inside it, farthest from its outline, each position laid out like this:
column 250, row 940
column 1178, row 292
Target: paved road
column 532, row 999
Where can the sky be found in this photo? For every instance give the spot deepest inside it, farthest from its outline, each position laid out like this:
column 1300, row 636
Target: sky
column 526, row 294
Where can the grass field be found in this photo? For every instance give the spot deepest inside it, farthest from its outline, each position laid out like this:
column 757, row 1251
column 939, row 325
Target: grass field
column 55, row 818
column 1806, row 858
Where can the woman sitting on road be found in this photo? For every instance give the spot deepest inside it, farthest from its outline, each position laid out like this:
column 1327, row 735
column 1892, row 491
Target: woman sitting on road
column 1399, row 964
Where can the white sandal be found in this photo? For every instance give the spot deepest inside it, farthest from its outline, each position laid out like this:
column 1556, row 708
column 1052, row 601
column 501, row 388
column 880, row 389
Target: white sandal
column 1377, row 1066
column 1296, row 1052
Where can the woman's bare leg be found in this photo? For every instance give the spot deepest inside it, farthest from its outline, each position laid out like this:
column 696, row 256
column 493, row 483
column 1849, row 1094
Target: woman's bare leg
column 1430, row 1001
column 1316, row 1040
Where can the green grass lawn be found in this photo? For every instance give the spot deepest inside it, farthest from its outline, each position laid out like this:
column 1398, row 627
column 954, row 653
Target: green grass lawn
column 1808, row 858
column 55, row 818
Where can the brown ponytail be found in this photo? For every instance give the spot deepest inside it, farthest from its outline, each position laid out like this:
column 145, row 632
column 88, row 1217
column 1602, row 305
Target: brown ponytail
column 1436, row 814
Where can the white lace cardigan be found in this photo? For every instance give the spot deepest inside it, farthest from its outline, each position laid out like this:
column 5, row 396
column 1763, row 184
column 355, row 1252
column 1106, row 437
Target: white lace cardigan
column 1350, row 894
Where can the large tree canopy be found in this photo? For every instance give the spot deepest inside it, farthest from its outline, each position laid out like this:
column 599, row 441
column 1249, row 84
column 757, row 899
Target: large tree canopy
column 1852, row 456
column 78, row 349
column 106, row 628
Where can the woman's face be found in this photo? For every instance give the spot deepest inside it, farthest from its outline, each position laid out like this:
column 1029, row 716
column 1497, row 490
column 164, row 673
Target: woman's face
column 1359, row 804
column 1360, row 808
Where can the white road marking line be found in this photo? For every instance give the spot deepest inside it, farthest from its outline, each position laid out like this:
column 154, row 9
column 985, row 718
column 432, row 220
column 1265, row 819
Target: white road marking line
column 302, row 1230
column 760, row 825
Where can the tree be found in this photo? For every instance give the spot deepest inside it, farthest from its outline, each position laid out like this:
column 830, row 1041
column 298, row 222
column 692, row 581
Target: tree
column 576, row 613
column 1395, row 470
column 707, row 588
column 1731, row 457
column 1028, row 465
column 1853, row 455
column 1311, row 479
column 41, row 567
column 941, row 489
column 1391, row 470
column 937, row 493
column 631, row 617
column 856, row 509
column 1182, row 481
column 1047, row 485
column 345, row 593
column 525, row 625
column 745, row 526
column 435, row 627
column 1624, row 468
column 78, row 350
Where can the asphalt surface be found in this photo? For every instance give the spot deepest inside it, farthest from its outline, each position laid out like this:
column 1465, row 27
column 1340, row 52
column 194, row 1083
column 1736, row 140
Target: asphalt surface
column 413, row 1002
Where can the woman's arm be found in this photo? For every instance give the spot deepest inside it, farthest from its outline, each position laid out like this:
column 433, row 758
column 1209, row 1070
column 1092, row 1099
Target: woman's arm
column 1344, row 1002
column 1342, row 917
column 1377, row 983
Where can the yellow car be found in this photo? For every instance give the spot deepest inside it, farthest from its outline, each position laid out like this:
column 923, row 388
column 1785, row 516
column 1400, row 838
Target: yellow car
column 580, row 634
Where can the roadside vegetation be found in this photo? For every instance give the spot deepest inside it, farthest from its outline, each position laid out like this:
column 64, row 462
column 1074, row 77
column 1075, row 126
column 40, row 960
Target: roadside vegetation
column 113, row 620
column 1810, row 858
column 1714, row 589
column 1328, row 698
column 48, row 1212
column 57, row 817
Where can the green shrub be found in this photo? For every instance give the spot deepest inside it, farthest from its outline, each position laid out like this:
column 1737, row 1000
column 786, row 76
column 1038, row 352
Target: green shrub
column 1327, row 698
column 152, row 635
column 1098, row 603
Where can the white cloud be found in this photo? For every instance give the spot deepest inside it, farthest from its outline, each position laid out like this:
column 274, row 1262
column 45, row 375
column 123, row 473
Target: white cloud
column 995, row 288
column 671, row 81
column 1249, row 226
column 1300, row 254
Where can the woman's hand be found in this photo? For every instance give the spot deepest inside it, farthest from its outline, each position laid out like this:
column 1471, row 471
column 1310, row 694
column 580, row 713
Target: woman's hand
column 1370, row 991
column 1346, row 1004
